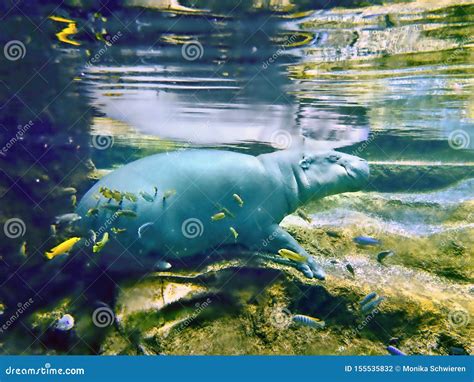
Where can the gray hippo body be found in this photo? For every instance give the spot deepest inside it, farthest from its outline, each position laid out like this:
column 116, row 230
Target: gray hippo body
column 205, row 199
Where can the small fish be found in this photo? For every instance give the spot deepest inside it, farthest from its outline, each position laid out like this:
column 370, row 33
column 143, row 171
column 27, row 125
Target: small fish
column 333, row 234
column 394, row 341
column 52, row 230
column 382, row 255
column 111, row 194
column 368, row 298
column 67, row 218
column 117, row 196
column 64, row 247
column 309, row 321
column 142, row 227
column 156, row 191
column 127, row 213
column 73, row 200
column 162, row 265
column 118, row 230
column 96, row 196
column 65, row 323
column 366, row 240
column 453, row 350
column 394, row 351
column 130, row 196
column 168, row 193
column 105, row 192
column 289, row 254
column 334, row 261
column 234, row 232
column 147, row 196
column 218, row 216
column 350, row 268
column 111, row 207
column 92, row 212
column 101, row 243
column 92, row 235
column 372, row 305
column 68, row 191
column 303, row 215
column 22, row 250
column 238, row 199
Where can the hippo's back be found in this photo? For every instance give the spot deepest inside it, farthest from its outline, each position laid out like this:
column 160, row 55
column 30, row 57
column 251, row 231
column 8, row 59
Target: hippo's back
column 166, row 191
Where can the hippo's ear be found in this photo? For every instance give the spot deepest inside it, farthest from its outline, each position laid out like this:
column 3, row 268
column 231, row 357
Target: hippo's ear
column 304, row 163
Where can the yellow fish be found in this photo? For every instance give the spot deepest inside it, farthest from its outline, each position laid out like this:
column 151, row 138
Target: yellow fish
column 23, row 249
column 70, row 30
column 168, row 193
column 238, row 199
column 130, row 196
column 64, row 247
column 101, row 243
column 234, row 232
column 127, row 213
column 289, row 254
column 111, row 194
column 218, row 216
column 92, row 211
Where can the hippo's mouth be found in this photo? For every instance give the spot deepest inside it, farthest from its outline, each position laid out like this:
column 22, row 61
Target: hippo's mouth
column 348, row 171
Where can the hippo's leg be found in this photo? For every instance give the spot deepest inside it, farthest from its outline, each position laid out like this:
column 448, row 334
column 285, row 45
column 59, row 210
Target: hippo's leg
column 277, row 238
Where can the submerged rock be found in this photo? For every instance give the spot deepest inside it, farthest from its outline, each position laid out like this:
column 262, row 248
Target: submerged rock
column 244, row 305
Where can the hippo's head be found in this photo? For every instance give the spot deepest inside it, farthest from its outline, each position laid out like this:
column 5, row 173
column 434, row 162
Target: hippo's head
column 326, row 173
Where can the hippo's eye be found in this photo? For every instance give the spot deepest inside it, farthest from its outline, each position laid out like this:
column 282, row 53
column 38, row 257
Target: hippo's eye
column 333, row 158
column 304, row 164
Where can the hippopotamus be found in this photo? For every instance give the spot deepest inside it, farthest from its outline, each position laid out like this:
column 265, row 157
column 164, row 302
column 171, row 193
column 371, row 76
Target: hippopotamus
column 190, row 202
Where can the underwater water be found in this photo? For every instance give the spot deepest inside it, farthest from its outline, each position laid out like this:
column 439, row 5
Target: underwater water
column 86, row 88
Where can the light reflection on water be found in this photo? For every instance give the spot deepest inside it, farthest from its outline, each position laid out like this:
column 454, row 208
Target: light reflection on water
column 333, row 77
